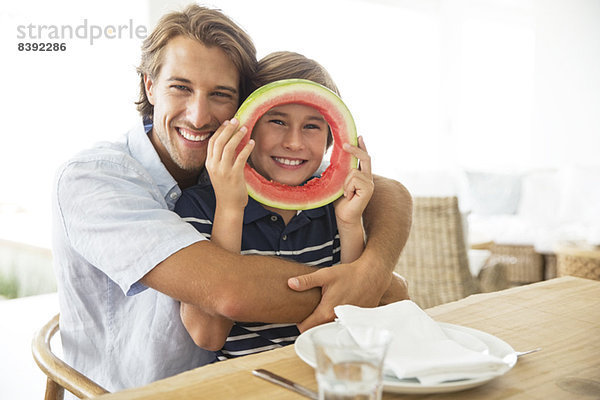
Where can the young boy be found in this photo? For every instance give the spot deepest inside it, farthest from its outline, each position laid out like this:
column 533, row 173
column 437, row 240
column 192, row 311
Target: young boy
column 288, row 144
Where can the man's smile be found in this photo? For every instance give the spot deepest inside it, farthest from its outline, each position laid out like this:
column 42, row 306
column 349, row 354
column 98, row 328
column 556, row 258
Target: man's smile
column 193, row 136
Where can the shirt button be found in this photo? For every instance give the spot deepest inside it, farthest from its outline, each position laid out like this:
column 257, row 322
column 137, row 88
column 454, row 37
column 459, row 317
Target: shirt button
column 273, row 218
column 173, row 195
column 284, row 237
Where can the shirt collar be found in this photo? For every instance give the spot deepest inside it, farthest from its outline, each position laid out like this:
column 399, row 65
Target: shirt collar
column 255, row 210
column 142, row 150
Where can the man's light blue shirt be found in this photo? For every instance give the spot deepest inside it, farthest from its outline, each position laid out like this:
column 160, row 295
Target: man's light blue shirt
column 113, row 221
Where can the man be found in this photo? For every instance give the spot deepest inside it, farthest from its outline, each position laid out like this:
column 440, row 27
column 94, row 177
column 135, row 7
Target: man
column 124, row 259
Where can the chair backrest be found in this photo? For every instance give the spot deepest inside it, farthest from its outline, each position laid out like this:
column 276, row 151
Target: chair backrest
column 60, row 375
column 434, row 260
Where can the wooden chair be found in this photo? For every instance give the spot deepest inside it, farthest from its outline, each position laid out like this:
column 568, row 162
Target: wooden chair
column 434, row 260
column 60, row 375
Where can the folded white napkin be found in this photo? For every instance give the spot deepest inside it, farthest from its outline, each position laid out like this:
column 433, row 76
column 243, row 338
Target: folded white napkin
column 420, row 348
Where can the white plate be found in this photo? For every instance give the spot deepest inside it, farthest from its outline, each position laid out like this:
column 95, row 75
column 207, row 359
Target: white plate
column 468, row 337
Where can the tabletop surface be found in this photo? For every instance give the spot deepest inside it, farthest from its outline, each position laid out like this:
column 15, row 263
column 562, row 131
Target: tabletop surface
column 562, row 316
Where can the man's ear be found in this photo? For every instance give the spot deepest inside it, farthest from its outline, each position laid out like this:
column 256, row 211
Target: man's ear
column 149, row 86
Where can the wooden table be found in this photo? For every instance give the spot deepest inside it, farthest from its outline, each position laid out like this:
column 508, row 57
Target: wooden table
column 561, row 315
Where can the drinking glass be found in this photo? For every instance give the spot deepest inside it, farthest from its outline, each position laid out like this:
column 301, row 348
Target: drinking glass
column 350, row 361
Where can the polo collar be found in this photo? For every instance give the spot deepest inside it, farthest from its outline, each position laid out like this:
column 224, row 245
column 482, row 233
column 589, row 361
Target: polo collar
column 254, row 211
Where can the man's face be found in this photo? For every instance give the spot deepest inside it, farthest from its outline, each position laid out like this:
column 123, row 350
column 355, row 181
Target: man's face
column 194, row 92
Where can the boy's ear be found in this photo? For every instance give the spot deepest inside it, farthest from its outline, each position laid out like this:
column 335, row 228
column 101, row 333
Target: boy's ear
column 149, row 86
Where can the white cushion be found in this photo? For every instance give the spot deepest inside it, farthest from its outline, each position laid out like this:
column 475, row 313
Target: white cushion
column 494, row 193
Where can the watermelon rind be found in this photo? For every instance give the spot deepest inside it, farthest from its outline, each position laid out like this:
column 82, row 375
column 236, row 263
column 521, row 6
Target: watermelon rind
column 318, row 191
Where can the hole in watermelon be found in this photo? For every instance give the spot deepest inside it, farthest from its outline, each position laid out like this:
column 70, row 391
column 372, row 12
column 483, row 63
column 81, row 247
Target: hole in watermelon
column 318, row 191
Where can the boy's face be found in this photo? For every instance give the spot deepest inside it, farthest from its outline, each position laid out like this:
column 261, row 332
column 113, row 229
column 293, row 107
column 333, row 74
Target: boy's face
column 290, row 141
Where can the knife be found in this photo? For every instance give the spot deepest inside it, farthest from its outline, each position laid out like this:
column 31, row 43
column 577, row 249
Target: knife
column 286, row 383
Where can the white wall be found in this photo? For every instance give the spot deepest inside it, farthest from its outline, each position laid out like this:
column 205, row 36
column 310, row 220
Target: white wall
column 567, row 82
column 56, row 103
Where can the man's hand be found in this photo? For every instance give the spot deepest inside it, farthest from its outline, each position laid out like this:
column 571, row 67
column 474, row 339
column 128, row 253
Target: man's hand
column 341, row 284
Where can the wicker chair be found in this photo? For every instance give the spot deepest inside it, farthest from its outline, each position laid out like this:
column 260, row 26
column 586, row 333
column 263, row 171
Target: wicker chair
column 60, row 375
column 434, row 260
column 523, row 263
column 582, row 261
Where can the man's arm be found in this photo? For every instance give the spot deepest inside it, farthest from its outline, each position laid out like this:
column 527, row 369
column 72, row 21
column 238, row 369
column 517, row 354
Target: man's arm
column 114, row 217
column 387, row 221
column 253, row 288
column 239, row 287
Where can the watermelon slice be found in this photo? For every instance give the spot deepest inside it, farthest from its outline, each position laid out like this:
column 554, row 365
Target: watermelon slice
column 317, row 191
